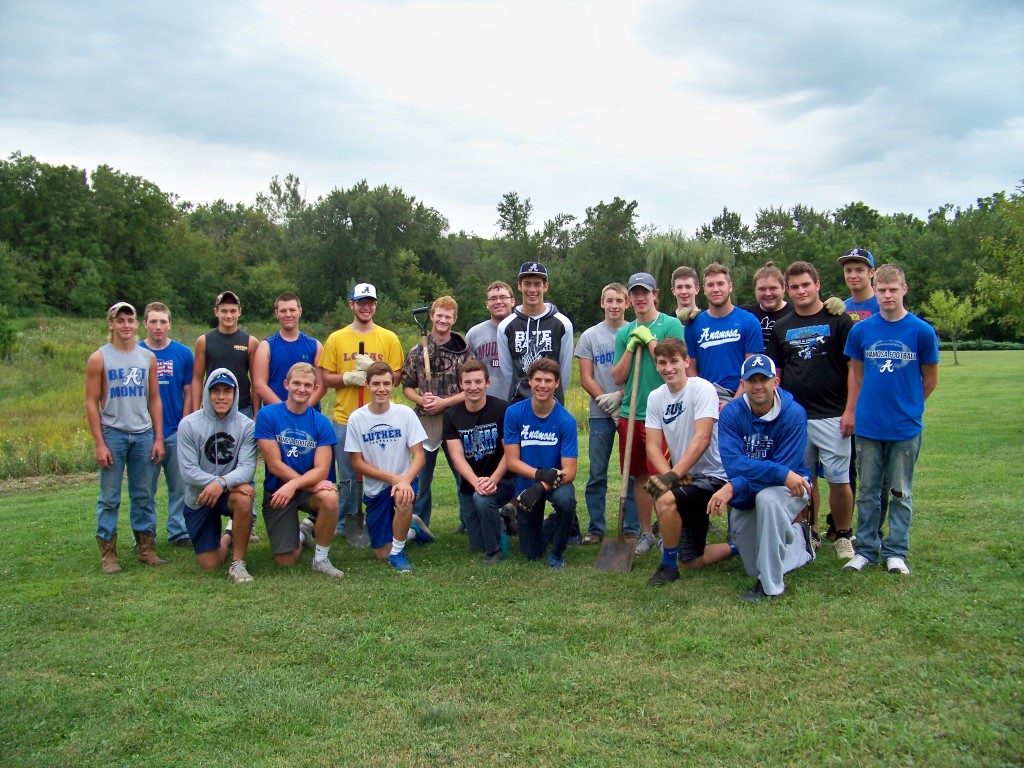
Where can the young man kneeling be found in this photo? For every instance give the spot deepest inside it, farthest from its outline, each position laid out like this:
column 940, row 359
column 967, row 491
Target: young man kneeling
column 217, row 461
column 384, row 441
column 297, row 444
column 684, row 413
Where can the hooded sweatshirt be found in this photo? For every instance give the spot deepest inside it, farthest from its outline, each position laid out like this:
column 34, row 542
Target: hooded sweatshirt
column 523, row 339
column 209, row 447
column 758, row 452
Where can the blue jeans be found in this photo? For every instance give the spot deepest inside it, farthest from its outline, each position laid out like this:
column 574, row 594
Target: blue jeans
column 424, row 500
column 175, row 490
column 535, row 533
column 481, row 515
column 602, row 439
column 129, row 451
column 348, row 488
column 891, row 462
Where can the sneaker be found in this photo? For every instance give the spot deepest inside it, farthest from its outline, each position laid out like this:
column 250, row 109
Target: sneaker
column 184, row 541
column 574, row 541
column 896, row 565
column 664, row 575
column 756, row 593
column 460, row 530
column 493, row 559
column 400, row 562
column 254, row 539
column 592, row 538
column 238, row 573
column 423, row 534
column 327, row 568
column 555, row 563
column 645, row 543
column 306, row 537
column 858, row 563
column 844, row 548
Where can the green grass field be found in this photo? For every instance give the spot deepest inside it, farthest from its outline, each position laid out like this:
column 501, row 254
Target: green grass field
column 458, row 665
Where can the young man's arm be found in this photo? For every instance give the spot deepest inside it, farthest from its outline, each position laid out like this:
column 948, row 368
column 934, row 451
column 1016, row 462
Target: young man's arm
column 156, row 412
column 929, row 378
column 93, row 397
column 321, row 387
column 254, row 344
column 199, row 373
column 854, row 377
column 261, row 374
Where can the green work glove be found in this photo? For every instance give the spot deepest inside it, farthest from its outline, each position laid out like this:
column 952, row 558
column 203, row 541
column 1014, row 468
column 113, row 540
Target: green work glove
column 835, row 305
column 686, row 314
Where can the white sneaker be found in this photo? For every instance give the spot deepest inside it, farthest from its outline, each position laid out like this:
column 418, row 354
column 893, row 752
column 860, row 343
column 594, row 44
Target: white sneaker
column 645, row 543
column 896, row 565
column 238, row 572
column 306, row 536
column 844, row 548
column 327, row 569
column 858, row 563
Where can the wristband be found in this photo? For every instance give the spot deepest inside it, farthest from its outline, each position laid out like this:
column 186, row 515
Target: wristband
column 223, row 483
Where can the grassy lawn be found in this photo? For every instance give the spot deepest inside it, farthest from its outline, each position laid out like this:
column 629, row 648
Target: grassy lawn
column 457, row 665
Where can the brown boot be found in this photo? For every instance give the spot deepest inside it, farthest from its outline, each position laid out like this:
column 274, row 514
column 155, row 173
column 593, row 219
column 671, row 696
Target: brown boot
column 146, row 552
column 108, row 554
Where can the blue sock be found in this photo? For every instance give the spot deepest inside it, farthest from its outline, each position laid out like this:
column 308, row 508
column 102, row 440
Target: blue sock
column 733, row 551
column 670, row 557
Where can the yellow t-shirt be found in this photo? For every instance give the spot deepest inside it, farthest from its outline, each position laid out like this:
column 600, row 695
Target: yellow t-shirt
column 338, row 357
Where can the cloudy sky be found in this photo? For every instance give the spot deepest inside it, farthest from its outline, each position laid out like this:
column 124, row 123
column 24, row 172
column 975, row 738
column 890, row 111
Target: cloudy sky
column 685, row 106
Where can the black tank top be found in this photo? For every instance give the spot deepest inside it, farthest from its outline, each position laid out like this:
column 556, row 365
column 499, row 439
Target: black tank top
column 231, row 351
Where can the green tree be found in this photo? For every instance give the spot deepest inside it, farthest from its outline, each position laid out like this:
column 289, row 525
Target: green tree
column 1002, row 285
column 952, row 317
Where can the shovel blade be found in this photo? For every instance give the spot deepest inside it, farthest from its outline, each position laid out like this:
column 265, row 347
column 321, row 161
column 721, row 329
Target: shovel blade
column 355, row 530
column 616, row 555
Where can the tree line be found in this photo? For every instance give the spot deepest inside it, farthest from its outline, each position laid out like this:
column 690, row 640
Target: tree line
column 71, row 242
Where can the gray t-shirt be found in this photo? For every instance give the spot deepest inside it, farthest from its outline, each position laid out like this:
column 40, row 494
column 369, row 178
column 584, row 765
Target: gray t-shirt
column 597, row 343
column 126, row 380
column 483, row 345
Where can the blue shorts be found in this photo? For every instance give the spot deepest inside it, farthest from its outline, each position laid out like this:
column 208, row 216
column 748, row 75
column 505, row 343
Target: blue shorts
column 204, row 524
column 380, row 516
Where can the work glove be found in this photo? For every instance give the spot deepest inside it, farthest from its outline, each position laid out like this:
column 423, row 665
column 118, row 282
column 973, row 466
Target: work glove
column 528, row 499
column 363, row 362
column 835, row 305
column 641, row 335
column 659, row 484
column 552, row 477
column 609, row 402
column 354, row 379
column 686, row 314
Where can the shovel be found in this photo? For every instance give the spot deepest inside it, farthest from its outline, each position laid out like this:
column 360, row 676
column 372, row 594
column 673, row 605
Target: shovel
column 617, row 554
column 355, row 526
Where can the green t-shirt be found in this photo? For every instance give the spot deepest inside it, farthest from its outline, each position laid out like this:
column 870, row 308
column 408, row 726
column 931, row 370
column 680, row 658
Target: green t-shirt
column 663, row 327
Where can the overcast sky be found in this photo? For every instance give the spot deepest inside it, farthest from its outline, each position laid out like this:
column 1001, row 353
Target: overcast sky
column 684, row 106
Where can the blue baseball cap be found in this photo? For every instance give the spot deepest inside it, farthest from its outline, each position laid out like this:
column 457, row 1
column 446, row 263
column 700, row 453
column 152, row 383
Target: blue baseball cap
column 862, row 255
column 533, row 268
column 223, row 378
column 761, row 364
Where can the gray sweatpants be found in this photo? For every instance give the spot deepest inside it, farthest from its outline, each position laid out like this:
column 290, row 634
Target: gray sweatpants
column 770, row 543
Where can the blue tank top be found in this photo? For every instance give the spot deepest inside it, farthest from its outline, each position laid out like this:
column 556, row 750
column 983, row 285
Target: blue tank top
column 285, row 354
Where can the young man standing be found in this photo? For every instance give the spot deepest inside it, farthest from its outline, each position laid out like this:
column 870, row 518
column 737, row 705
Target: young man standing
column 807, row 346
column 858, row 271
column 297, row 445
column 649, row 327
column 472, row 434
column 217, row 461
column 433, row 396
column 384, row 442
column 770, row 292
column 533, row 331
column 122, row 405
column 762, row 435
column 541, row 450
column 683, row 412
column 174, row 363
column 483, row 337
column 276, row 354
column 226, row 346
column 596, row 353
column 346, row 357
column 720, row 339
column 895, row 358
column 685, row 287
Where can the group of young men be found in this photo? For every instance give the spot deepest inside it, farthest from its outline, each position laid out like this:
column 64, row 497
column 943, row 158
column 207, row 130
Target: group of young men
column 732, row 410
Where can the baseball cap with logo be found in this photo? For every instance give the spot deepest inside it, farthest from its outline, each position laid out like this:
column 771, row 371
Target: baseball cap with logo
column 642, row 280
column 754, row 364
column 533, row 268
column 223, row 378
column 120, row 307
column 364, row 291
column 862, row 255
column 229, row 297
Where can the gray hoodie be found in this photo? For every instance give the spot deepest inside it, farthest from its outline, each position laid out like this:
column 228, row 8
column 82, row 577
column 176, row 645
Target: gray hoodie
column 209, row 447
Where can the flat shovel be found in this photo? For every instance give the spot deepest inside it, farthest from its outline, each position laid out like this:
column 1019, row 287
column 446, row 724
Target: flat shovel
column 355, row 526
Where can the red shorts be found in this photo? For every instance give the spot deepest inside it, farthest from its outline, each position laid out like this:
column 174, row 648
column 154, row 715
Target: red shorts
column 638, row 460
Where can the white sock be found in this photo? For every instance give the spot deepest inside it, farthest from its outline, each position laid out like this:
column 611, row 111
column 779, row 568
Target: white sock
column 320, row 553
column 397, row 546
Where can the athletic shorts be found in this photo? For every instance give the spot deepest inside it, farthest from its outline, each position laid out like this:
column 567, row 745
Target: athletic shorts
column 638, row 460
column 283, row 524
column 203, row 524
column 828, row 449
column 692, row 503
column 380, row 516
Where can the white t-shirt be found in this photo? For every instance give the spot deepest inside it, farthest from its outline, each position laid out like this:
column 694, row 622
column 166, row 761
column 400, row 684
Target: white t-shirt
column 675, row 414
column 384, row 440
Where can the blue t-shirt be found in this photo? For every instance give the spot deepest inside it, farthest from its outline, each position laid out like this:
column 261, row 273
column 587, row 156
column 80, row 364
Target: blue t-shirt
column 543, row 443
column 891, row 401
column 721, row 344
column 283, row 355
column 297, row 435
column 174, row 370
column 862, row 310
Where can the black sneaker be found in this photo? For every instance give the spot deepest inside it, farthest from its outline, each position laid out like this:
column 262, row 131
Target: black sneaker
column 756, row 593
column 664, row 575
